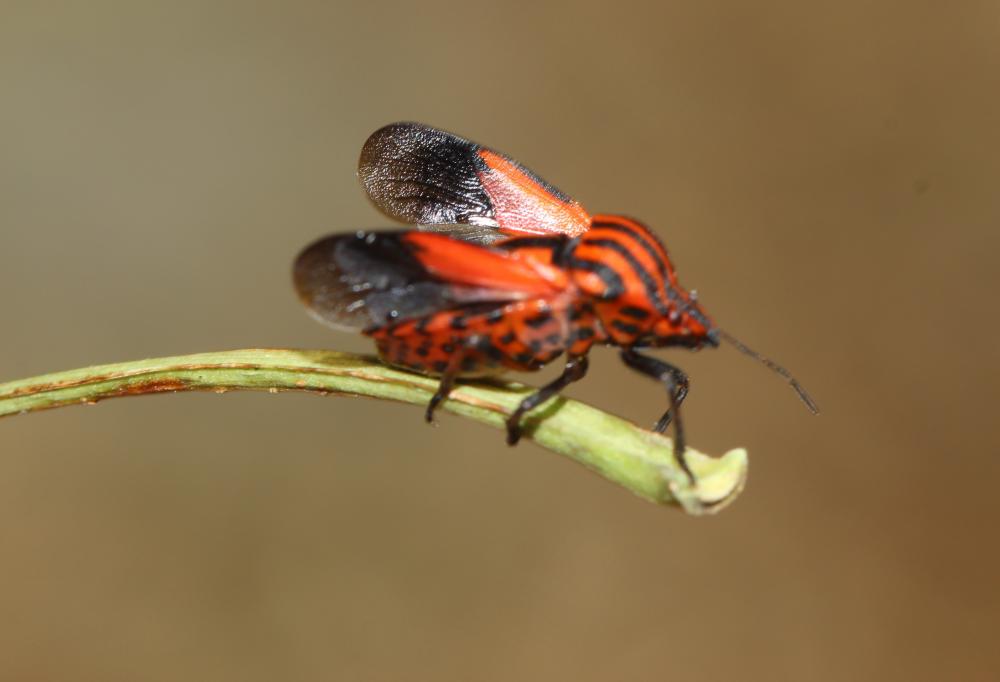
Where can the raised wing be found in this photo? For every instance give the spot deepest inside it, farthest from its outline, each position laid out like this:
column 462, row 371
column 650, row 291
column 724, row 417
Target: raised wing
column 366, row 280
column 432, row 178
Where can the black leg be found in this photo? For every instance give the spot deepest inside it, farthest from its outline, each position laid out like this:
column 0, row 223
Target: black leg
column 676, row 382
column 576, row 368
column 681, row 382
column 444, row 388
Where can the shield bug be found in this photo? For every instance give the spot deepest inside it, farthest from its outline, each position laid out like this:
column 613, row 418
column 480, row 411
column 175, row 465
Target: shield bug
column 504, row 272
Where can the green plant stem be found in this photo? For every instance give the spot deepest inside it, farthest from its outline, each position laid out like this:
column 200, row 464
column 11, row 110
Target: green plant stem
column 616, row 449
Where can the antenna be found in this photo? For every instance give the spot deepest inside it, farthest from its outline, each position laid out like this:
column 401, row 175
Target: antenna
column 772, row 365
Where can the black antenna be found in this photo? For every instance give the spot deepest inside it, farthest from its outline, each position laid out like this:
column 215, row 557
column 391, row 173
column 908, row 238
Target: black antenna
column 772, row 365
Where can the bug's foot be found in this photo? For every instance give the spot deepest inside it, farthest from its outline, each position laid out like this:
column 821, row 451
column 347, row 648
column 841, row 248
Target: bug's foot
column 513, row 429
column 429, row 412
column 683, row 464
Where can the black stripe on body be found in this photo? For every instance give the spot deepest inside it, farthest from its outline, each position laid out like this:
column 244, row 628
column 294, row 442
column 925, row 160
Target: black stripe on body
column 625, row 327
column 634, row 313
column 611, row 279
column 642, row 238
column 531, row 243
column 558, row 246
column 653, row 290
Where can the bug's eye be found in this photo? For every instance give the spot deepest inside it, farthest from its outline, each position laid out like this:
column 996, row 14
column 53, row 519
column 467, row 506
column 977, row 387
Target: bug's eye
column 674, row 316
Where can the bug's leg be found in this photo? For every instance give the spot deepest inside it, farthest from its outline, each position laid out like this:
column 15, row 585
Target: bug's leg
column 576, row 368
column 681, row 382
column 447, row 383
column 676, row 382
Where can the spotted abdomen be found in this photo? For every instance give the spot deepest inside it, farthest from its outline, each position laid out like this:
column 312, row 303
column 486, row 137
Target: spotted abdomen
column 521, row 336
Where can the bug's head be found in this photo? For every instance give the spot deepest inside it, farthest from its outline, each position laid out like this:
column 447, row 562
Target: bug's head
column 684, row 324
column 687, row 325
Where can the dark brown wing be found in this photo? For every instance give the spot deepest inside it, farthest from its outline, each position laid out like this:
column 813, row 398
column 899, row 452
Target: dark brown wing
column 366, row 280
column 428, row 177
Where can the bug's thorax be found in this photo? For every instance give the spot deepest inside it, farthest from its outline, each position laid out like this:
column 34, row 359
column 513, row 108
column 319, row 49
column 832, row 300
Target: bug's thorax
column 625, row 272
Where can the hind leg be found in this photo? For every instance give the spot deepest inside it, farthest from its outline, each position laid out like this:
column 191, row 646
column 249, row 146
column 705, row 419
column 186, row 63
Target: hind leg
column 576, row 369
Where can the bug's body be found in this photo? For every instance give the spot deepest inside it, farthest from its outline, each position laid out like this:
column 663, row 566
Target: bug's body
column 506, row 273
column 521, row 336
column 585, row 306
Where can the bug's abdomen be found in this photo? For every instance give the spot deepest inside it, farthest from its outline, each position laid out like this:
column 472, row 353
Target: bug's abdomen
column 520, row 336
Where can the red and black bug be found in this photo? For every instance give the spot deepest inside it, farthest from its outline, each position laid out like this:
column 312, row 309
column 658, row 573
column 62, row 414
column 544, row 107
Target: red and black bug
column 505, row 272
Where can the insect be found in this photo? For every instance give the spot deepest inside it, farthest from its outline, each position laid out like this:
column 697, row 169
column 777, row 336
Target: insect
column 504, row 272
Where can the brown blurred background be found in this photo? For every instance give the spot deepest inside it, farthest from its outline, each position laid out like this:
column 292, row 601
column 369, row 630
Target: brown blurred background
column 824, row 173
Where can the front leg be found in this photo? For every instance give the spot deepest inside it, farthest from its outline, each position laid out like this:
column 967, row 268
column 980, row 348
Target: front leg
column 676, row 382
column 576, row 368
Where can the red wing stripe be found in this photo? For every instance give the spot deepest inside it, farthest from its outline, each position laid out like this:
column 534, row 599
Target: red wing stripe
column 526, row 204
column 468, row 264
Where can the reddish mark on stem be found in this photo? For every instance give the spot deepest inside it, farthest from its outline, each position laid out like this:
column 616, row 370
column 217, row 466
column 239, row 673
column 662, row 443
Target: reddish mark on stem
column 166, row 385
